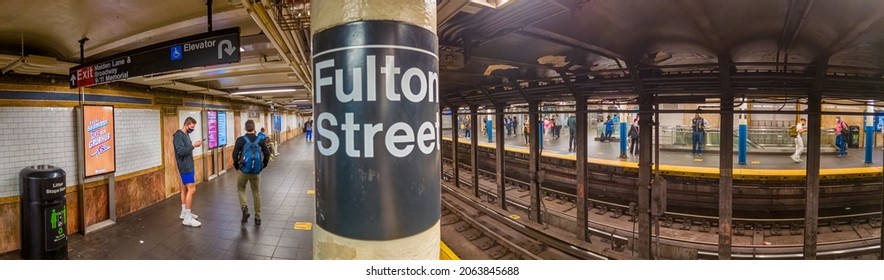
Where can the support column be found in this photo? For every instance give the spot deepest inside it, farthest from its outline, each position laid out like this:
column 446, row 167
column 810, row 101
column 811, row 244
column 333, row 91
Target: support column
column 645, row 115
column 814, row 122
column 582, row 193
column 501, row 152
column 455, row 136
column 870, row 131
column 623, row 139
column 726, row 161
column 367, row 206
column 534, row 164
column 474, row 148
column 744, row 134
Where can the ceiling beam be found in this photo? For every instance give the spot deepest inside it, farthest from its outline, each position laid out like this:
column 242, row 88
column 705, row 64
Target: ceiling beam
column 563, row 40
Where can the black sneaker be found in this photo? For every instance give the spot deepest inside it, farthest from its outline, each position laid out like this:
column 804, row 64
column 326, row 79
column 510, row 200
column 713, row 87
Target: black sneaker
column 245, row 215
column 257, row 221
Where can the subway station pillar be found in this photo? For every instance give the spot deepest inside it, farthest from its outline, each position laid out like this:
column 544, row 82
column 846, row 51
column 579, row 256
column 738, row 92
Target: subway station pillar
column 376, row 101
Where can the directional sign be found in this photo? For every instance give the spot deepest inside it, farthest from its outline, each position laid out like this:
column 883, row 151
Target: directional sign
column 216, row 47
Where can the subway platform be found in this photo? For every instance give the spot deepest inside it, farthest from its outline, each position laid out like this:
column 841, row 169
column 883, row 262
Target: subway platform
column 855, row 158
column 156, row 233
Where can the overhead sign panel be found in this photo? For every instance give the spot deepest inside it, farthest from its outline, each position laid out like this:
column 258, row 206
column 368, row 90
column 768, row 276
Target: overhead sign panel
column 216, row 47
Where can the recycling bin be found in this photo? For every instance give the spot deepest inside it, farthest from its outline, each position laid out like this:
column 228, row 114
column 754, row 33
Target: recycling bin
column 853, row 142
column 43, row 213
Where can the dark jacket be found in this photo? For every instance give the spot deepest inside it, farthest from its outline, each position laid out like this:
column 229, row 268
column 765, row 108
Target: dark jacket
column 240, row 143
column 183, row 151
column 633, row 132
column 572, row 123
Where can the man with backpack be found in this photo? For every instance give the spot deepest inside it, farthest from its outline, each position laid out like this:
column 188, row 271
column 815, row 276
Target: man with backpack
column 698, row 129
column 795, row 131
column 633, row 138
column 842, row 135
column 250, row 156
column 308, row 129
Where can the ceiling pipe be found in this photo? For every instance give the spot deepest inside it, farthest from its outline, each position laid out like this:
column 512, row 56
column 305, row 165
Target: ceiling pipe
column 289, row 37
column 263, row 22
column 13, row 65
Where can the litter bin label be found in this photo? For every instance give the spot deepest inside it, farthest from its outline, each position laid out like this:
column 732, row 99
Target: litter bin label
column 56, row 227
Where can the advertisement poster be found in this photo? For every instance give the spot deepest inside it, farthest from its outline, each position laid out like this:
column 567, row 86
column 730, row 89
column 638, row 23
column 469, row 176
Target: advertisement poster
column 222, row 128
column 212, row 124
column 277, row 123
column 98, row 129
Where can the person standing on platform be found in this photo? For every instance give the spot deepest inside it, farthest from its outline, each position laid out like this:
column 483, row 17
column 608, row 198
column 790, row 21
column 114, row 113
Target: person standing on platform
column 800, row 128
column 609, row 128
column 633, row 138
column 572, row 129
column 841, row 132
column 250, row 156
column 184, row 159
column 526, row 128
column 308, row 129
column 698, row 128
column 468, row 127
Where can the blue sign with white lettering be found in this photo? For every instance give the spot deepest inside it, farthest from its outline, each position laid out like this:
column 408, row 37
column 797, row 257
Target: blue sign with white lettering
column 222, row 128
column 176, row 52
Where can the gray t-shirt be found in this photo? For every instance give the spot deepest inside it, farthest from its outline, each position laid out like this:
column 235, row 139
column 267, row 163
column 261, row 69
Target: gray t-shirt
column 183, row 151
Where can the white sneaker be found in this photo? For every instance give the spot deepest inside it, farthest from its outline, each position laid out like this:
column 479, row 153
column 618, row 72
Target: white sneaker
column 191, row 214
column 191, row 223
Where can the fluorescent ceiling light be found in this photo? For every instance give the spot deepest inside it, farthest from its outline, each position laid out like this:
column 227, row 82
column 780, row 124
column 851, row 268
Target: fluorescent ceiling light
column 264, row 91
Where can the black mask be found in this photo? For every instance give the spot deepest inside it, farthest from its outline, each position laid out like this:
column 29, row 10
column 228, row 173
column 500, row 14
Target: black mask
column 189, row 130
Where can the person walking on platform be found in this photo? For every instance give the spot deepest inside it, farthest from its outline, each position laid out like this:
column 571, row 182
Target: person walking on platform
column 308, row 130
column 799, row 128
column 633, row 138
column 841, row 131
column 572, row 129
column 250, row 156
column 698, row 128
column 184, row 159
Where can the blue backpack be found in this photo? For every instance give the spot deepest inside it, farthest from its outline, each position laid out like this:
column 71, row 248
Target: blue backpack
column 251, row 160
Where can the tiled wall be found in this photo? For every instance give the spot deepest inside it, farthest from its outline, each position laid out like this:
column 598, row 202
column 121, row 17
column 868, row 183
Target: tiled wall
column 47, row 135
column 32, row 136
column 138, row 142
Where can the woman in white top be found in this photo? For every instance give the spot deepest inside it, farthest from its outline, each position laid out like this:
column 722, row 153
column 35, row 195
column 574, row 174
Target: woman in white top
column 801, row 127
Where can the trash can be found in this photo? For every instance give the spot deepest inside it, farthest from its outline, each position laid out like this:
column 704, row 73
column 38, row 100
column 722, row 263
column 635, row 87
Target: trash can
column 853, row 142
column 43, row 213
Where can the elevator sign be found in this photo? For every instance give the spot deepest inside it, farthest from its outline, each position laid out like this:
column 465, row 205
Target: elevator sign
column 217, row 47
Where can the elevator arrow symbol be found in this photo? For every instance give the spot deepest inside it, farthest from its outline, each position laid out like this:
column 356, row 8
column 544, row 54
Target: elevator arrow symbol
column 229, row 49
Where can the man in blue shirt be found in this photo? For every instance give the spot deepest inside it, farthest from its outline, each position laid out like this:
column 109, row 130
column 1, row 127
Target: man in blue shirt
column 609, row 128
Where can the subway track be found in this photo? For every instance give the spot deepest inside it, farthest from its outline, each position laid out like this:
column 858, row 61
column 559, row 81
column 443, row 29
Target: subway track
column 494, row 235
column 760, row 197
column 844, row 235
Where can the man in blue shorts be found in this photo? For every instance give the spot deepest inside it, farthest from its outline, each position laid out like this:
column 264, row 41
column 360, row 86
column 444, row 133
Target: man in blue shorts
column 184, row 158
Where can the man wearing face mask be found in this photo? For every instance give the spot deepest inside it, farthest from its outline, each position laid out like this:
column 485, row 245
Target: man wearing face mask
column 184, row 158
